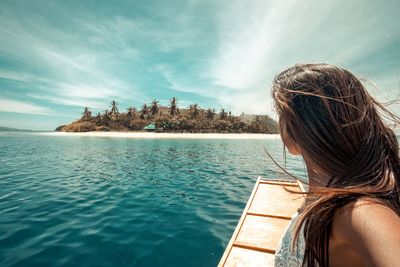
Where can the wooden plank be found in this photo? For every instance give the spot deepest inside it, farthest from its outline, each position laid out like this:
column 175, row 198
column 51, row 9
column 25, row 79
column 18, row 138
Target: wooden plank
column 275, row 200
column 269, row 215
column 264, row 181
column 240, row 257
column 238, row 244
column 262, row 232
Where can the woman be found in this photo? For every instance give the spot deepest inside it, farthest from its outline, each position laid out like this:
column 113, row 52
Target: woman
column 351, row 213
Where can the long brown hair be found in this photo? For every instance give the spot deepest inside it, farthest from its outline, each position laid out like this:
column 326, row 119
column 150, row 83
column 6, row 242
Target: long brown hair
column 340, row 130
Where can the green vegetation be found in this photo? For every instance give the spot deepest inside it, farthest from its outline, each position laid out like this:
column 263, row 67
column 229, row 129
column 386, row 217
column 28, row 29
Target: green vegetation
column 170, row 119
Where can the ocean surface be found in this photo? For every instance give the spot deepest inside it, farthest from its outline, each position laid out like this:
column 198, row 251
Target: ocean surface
column 88, row 201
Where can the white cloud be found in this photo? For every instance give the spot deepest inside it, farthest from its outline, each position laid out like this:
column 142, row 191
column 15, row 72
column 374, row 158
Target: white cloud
column 15, row 106
column 255, row 101
column 10, row 75
column 86, row 91
column 247, row 35
column 64, row 66
column 258, row 41
column 250, row 102
column 177, row 83
column 78, row 102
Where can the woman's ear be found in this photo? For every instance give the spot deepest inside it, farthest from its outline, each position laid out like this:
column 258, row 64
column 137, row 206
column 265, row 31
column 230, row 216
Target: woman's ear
column 293, row 148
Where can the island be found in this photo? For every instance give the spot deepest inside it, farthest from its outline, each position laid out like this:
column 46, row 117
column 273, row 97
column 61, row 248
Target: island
column 154, row 117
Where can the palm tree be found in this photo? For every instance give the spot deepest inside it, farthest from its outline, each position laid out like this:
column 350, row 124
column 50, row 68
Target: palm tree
column 210, row 114
column 114, row 106
column 173, row 107
column 194, row 110
column 98, row 118
column 222, row 114
column 114, row 110
column 144, row 112
column 86, row 114
column 154, row 108
column 131, row 112
column 105, row 118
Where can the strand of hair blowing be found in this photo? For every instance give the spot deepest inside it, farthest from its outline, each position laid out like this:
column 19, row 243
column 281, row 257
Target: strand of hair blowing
column 338, row 126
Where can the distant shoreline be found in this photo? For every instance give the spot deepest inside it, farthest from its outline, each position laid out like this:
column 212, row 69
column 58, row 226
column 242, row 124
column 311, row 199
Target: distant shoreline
column 152, row 135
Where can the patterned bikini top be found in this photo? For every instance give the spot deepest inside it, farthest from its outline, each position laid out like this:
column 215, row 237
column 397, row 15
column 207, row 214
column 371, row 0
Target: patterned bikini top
column 284, row 255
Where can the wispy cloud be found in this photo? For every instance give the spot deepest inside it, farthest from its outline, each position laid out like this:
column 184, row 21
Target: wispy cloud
column 14, row 76
column 9, row 105
column 59, row 66
column 87, row 91
column 180, row 82
column 258, row 41
column 247, row 35
column 75, row 102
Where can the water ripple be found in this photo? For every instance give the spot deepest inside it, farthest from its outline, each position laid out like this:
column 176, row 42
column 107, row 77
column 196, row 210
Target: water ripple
column 98, row 202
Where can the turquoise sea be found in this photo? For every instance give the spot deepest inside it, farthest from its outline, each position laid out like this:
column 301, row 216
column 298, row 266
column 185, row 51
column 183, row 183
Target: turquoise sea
column 88, row 201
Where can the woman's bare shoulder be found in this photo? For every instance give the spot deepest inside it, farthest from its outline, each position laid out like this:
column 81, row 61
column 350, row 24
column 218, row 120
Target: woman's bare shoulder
column 371, row 228
column 366, row 210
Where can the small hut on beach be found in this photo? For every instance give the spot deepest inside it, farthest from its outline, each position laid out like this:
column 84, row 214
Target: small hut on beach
column 150, row 127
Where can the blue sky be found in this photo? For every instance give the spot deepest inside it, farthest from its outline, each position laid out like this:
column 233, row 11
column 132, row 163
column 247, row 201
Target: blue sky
column 58, row 56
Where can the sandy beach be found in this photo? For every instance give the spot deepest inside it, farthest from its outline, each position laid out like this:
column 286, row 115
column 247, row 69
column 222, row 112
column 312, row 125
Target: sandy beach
column 151, row 135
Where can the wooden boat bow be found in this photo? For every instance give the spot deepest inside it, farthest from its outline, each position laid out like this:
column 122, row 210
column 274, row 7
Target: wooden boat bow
column 263, row 223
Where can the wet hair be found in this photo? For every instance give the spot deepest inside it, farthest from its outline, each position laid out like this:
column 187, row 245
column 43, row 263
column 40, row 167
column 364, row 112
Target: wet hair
column 341, row 131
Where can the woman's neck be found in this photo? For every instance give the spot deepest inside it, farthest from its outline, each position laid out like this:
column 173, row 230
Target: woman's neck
column 315, row 178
